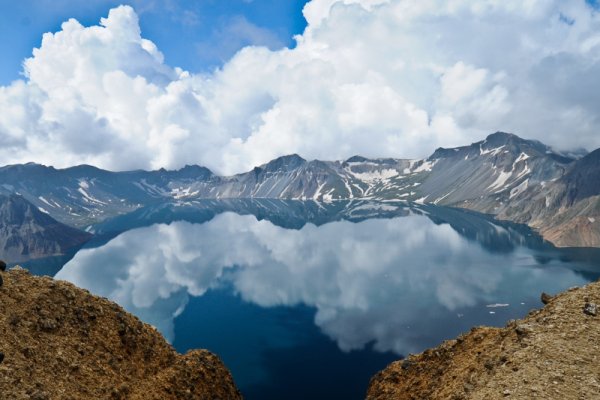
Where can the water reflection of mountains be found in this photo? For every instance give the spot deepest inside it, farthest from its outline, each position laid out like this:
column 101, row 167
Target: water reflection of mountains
column 290, row 214
column 493, row 235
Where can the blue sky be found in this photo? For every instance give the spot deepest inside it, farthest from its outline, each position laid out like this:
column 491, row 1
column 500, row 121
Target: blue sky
column 195, row 35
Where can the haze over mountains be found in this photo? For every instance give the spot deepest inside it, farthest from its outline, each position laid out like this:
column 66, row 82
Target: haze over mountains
column 511, row 178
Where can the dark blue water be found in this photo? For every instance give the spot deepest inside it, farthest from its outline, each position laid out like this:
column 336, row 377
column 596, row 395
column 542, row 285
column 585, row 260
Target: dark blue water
column 307, row 300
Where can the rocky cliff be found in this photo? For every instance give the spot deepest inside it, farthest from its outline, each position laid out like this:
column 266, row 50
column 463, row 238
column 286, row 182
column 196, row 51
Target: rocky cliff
column 59, row 342
column 550, row 354
column 27, row 233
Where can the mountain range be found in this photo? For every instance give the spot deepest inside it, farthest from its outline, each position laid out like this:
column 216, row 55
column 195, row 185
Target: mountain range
column 504, row 175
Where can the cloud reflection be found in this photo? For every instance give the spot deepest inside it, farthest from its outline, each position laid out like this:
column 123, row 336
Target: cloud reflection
column 390, row 282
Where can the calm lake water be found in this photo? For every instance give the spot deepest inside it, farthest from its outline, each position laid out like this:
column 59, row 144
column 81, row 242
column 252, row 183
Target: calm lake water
column 307, row 301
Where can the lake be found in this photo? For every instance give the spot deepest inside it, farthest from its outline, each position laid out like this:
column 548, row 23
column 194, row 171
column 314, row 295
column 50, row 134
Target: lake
column 304, row 300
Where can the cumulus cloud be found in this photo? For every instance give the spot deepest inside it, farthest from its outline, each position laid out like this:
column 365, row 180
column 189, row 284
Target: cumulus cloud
column 373, row 77
column 365, row 285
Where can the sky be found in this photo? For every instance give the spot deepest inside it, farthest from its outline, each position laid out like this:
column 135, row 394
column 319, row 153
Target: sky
column 233, row 84
column 196, row 35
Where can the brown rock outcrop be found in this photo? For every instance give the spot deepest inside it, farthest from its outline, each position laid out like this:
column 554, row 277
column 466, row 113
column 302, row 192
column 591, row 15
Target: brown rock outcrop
column 550, row 354
column 61, row 342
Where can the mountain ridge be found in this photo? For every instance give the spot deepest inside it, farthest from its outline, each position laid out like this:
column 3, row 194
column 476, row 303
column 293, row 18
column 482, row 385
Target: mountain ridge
column 503, row 175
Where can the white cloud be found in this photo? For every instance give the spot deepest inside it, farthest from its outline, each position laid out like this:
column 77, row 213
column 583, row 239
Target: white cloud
column 373, row 77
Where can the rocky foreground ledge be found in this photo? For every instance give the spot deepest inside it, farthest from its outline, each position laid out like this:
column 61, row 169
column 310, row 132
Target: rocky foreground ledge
column 553, row 353
column 61, row 342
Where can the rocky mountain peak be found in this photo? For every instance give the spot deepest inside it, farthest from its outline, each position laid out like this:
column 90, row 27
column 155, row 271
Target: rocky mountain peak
column 511, row 142
column 194, row 171
column 357, row 159
column 515, row 145
column 284, row 163
column 376, row 161
column 502, row 138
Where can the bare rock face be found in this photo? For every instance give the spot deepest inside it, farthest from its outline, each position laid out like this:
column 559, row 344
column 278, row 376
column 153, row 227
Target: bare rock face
column 550, row 354
column 28, row 233
column 61, row 342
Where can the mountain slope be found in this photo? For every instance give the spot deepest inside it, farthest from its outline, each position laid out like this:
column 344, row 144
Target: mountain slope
column 28, row 233
column 567, row 210
column 489, row 173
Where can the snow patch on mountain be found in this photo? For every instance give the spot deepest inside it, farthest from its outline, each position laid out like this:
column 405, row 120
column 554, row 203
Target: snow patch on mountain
column 180, row 193
column 522, row 157
column 501, row 180
column 421, row 200
column 45, row 201
column 376, row 175
column 492, row 152
column 425, row 166
column 89, row 198
column 519, row 189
